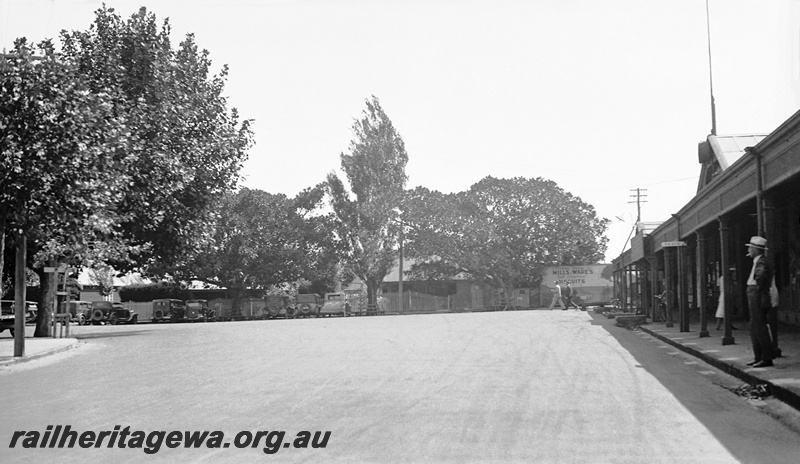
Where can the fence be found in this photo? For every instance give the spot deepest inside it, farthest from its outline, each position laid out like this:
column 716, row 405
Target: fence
column 419, row 302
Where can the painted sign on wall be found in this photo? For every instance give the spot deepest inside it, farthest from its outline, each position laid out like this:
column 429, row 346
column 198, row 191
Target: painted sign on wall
column 591, row 282
column 591, row 275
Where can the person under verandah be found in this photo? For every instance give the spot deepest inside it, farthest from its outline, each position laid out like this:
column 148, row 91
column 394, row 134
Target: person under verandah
column 759, row 303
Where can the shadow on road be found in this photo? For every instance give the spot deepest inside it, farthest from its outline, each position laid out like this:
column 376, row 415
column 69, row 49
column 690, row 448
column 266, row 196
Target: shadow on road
column 127, row 333
column 747, row 434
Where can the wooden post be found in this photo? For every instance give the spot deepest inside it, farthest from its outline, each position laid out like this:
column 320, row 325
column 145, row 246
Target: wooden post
column 19, row 296
column 653, row 262
column 682, row 303
column 668, row 283
column 702, row 283
column 724, row 239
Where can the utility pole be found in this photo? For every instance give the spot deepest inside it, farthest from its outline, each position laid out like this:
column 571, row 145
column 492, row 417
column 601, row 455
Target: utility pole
column 400, row 274
column 638, row 195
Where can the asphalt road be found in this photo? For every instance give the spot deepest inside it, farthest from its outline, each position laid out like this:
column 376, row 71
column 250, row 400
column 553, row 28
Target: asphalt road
column 530, row 386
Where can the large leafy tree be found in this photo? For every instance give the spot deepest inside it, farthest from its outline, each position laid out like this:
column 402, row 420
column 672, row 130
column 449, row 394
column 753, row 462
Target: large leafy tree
column 141, row 168
column 188, row 147
column 262, row 240
column 61, row 158
column 367, row 214
column 501, row 231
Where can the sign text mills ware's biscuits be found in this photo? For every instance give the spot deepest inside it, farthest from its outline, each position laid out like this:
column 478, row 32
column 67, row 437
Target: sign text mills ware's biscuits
column 592, row 282
column 578, row 276
column 572, row 271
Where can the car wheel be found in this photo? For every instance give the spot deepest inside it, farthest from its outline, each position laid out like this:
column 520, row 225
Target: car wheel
column 113, row 319
column 12, row 332
column 81, row 320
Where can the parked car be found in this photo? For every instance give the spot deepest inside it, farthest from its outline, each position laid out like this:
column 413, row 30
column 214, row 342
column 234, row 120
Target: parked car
column 7, row 322
column 335, row 304
column 7, row 311
column 198, row 310
column 107, row 312
column 168, row 310
column 307, row 305
column 77, row 310
column 279, row 306
column 7, row 316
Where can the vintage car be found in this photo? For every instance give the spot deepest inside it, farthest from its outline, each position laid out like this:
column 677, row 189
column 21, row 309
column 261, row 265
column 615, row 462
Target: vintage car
column 335, row 304
column 107, row 312
column 77, row 310
column 279, row 306
column 7, row 316
column 168, row 310
column 307, row 305
column 198, row 310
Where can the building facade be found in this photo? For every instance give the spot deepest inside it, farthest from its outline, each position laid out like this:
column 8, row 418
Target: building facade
column 749, row 185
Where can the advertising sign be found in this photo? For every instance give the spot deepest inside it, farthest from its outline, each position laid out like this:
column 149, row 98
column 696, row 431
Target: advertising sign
column 592, row 282
column 578, row 276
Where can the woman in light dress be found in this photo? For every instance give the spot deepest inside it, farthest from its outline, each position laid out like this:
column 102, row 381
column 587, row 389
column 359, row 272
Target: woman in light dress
column 720, row 315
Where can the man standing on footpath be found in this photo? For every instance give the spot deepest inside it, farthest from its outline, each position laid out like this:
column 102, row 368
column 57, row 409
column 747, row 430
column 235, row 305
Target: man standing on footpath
column 759, row 303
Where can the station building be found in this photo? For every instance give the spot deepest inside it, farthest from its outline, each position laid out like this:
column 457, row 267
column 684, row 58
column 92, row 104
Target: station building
column 749, row 185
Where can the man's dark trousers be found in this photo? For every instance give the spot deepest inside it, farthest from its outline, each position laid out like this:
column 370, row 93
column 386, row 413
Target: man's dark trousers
column 759, row 305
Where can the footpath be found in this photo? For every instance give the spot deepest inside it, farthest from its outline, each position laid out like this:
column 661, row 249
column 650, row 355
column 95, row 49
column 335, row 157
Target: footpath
column 35, row 348
column 781, row 380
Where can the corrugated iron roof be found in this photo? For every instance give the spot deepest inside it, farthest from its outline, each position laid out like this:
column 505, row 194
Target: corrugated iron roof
column 729, row 148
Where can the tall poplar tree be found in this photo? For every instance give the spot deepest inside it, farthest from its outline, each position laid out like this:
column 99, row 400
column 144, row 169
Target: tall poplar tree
column 367, row 213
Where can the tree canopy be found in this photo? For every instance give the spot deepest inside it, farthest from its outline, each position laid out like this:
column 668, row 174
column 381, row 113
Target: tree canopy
column 501, row 231
column 186, row 145
column 262, row 239
column 116, row 148
column 367, row 213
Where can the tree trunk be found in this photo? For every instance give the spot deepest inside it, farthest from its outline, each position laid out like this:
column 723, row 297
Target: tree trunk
column 372, row 291
column 236, row 307
column 505, row 292
column 48, row 281
column 509, row 294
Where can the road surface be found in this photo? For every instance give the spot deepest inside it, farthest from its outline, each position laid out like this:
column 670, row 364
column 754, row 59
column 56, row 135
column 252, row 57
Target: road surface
column 524, row 386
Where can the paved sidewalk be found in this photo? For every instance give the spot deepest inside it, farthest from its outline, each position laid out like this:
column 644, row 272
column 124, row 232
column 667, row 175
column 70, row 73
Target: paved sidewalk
column 783, row 379
column 35, row 348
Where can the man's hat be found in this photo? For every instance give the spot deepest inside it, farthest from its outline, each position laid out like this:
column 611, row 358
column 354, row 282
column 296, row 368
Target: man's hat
column 758, row 242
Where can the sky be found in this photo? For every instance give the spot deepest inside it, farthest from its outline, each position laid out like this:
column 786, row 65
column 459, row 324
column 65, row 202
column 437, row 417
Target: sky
column 600, row 97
